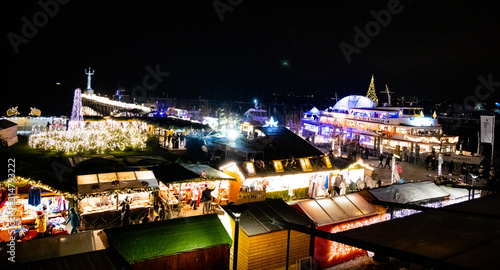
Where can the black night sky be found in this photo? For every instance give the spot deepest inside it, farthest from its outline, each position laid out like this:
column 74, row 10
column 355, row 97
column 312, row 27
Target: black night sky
column 428, row 49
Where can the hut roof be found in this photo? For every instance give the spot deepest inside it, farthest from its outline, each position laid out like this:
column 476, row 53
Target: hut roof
column 164, row 238
column 256, row 219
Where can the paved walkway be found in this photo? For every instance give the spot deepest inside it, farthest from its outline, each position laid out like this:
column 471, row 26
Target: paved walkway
column 411, row 172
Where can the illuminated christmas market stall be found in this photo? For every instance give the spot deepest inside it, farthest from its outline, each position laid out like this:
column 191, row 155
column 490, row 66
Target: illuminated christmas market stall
column 260, row 244
column 178, row 180
column 31, row 196
column 100, row 195
column 302, row 178
column 336, row 214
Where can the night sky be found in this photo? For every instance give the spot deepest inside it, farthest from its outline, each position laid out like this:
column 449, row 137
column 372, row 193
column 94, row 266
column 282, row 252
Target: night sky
column 428, row 49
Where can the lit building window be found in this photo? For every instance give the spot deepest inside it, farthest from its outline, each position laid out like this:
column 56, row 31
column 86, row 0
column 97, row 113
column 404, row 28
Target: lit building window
column 250, row 168
column 278, row 166
column 305, row 164
column 327, row 161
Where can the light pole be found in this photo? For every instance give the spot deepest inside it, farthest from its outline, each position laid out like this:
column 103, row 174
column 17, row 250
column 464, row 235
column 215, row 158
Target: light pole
column 236, row 234
column 236, row 211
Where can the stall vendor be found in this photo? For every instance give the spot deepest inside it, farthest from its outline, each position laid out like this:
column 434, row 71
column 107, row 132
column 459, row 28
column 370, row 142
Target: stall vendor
column 40, row 226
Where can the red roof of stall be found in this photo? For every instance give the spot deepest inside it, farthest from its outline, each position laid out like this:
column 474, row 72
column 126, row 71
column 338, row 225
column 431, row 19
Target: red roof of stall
column 334, row 210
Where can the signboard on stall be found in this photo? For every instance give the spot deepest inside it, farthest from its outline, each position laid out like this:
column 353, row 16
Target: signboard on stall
column 474, row 160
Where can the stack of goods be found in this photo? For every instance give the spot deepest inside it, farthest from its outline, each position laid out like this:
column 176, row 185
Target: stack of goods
column 56, row 226
column 24, row 234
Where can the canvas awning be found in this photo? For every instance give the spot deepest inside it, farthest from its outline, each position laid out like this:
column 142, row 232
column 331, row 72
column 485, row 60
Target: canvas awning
column 334, row 210
column 409, row 192
column 177, row 173
column 164, row 238
column 106, row 182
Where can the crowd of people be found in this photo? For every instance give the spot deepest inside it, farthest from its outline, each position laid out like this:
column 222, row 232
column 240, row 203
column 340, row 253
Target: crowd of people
column 163, row 211
column 340, row 185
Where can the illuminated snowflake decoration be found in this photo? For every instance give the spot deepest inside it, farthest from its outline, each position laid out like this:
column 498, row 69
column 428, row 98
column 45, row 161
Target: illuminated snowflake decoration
column 271, row 123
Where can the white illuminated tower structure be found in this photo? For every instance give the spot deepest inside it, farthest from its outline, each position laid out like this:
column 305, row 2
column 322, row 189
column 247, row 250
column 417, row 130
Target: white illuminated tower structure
column 89, row 73
column 76, row 112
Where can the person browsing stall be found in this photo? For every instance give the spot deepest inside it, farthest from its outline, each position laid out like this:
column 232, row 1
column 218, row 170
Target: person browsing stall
column 206, row 198
column 75, row 220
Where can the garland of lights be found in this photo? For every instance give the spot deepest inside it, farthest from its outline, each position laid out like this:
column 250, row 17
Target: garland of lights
column 97, row 136
column 339, row 252
column 116, row 192
column 21, row 182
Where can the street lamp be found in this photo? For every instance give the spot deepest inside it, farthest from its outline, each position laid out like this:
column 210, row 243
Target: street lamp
column 235, row 211
column 236, row 235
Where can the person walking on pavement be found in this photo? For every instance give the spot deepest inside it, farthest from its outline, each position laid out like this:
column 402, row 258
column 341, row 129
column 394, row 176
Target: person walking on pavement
column 388, row 161
column 463, row 172
column 381, row 161
column 75, row 220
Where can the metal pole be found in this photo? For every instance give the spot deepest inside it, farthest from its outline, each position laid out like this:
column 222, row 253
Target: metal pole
column 493, row 140
column 236, row 234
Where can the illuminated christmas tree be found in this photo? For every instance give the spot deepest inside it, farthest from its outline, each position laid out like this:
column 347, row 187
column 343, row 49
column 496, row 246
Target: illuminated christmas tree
column 371, row 92
column 76, row 112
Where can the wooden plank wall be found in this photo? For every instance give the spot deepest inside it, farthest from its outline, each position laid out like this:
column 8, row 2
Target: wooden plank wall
column 268, row 251
column 213, row 258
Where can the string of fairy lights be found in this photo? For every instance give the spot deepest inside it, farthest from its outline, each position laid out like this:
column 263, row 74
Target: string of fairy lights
column 22, row 181
column 95, row 136
column 340, row 252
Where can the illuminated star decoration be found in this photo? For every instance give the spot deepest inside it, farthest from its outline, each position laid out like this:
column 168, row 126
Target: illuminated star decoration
column 271, row 123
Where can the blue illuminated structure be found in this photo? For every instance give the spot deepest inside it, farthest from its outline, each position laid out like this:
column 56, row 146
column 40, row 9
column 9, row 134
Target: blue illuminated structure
column 355, row 119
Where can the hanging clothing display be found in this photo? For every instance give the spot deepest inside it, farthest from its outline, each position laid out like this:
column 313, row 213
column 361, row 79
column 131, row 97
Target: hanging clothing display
column 63, row 204
column 313, row 187
column 34, row 196
column 327, row 183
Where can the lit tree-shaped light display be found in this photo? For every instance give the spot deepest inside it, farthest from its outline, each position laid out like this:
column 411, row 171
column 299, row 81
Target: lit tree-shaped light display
column 76, row 112
column 371, row 92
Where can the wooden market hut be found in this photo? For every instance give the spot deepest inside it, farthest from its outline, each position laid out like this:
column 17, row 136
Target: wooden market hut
column 57, row 202
column 262, row 245
column 101, row 194
column 335, row 214
column 198, row 242
column 194, row 174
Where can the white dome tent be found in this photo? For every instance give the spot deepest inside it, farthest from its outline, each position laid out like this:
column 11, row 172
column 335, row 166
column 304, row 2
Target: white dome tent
column 353, row 101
